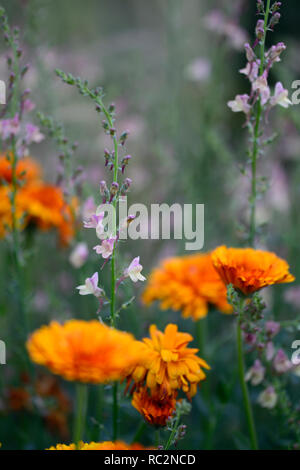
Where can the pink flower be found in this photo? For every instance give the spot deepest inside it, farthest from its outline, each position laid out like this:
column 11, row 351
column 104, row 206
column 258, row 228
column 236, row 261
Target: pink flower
column 106, row 248
column 91, row 286
column 272, row 328
column 10, row 127
column 281, row 362
column 275, row 51
column 256, row 373
column 95, row 221
column 261, row 85
column 270, row 351
column 28, row 105
column 240, row 104
column 280, row 96
column 249, row 53
column 268, row 398
column 134, row 270
column 251, row 70
column 79, row 255
column 88, row 208
column 33, row 134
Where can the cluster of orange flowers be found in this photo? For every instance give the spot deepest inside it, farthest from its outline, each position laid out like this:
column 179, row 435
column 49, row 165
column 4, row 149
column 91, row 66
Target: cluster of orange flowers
column 189, row 284
column 37, row 203
column 85, row 351
column 168, row 365
column 92, row 352
column 107, row 445
column 192, row 283
column 160, row 366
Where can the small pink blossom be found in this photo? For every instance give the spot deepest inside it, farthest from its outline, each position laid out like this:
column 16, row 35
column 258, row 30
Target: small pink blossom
column 88, row 208
column 251, row 70
column 95, row 221
column 256, row 373
column 33, row 134
column 281, row 362
column 274, row 53
column 28, row 105
column 79, row 255
column 10, row 127
column 240, row 104
column 106, row 248
column 270, row 351
column 272, row 328
column 261, row 85
column 134, row 270
column 268, row 398
column 280, row 96
column 91, row 286
column 249, row 53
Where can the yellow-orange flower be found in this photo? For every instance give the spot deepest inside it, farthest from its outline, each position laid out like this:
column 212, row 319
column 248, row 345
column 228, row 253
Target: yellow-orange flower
column 108, row 445
column 249, row 270
column 27, row 169
column 168, row 364
column 155, row 408
column 85, row 351
column 189, row 284
column 40, row 204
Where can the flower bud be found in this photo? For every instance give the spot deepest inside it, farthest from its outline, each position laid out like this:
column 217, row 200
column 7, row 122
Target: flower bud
column 125, row 162
column 124, row 137
column 275, row 19
column 260, row 30
column 114, row 188
column 125, row 186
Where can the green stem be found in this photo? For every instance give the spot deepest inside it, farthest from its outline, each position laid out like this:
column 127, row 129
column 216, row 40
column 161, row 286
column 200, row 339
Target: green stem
column 201, row 335
column 172, row 435
column 139, row 432
column 245, row 392
column 80, row 412
column 255, row 147
column 115, row 411
column 113, row 264
column 157, row 437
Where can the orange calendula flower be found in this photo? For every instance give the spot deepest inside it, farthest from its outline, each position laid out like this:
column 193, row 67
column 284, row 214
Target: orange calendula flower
column 249, row 270
column 85, row 351
column 39, row 204
column 27, row 169
column 168, row 364
column 155, row 408
column 108, row 445
column 187, row 283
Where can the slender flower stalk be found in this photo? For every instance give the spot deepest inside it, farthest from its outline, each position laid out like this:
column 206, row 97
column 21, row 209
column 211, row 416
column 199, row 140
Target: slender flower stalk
column 256, row 106
column 80, row 412
column 245, row 392
column 256, row 134
column 108, row 248
column 13, row 110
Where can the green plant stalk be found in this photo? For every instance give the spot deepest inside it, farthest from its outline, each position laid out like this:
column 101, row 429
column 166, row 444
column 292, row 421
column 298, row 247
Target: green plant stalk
column 80, row 412
column 139, row 432
column 245, row 392
column 252, row 235
column 255, row 147
column 16, row 248
column 113, row 268
column 172, row 435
